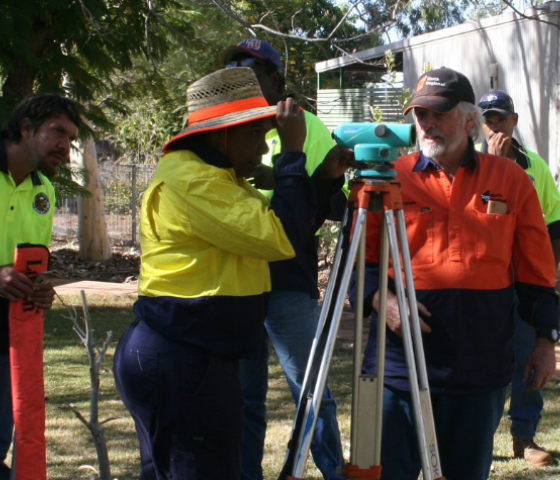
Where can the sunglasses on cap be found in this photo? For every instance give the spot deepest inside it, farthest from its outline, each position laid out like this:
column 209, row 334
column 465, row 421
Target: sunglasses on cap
column 246, row 62
column 498, row 103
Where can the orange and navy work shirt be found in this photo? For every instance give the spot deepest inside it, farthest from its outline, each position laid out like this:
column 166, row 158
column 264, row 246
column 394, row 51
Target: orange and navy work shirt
column 462, row 260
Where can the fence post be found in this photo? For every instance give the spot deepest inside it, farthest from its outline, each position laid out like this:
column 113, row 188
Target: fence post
column 134, row 169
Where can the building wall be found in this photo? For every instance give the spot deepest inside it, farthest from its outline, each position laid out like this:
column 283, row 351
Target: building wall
column 527, row 55
column 337, row 106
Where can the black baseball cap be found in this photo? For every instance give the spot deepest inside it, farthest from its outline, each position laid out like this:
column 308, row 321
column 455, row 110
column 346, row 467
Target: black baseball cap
column 496, row 101
column 441, row 90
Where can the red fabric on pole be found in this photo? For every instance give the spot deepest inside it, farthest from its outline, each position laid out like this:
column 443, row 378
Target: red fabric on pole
column 26, row 360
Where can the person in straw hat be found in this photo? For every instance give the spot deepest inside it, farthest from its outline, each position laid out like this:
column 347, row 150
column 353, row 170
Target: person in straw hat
column 207, row 236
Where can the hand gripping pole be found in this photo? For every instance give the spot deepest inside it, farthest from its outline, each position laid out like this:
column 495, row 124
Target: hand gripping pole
column 367, row 394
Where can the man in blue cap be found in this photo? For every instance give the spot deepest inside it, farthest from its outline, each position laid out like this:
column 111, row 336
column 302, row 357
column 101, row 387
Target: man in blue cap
column 526, row 405
column 293, row 312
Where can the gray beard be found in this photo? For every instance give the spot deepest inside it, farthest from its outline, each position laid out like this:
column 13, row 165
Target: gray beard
column 433, row 150
column 436, row 151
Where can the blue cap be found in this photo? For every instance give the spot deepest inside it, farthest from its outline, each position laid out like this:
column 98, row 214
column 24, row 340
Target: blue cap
column 496, row 101
column 260, row 49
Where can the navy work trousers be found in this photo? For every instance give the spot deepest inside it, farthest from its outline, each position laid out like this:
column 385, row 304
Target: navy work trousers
column 465, row 427
column 186, row 403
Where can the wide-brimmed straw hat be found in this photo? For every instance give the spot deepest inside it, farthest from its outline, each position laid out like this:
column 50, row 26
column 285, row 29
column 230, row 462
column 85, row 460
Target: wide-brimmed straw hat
column 222, row 99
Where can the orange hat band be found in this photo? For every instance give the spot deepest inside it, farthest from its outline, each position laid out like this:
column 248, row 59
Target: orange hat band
column 225, row 108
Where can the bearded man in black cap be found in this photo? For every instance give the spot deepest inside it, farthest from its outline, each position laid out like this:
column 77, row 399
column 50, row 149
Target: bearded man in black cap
column 469, row 216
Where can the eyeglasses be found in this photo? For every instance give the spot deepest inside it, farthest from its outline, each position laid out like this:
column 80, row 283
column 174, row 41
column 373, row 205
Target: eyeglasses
column 246, row 62
column 500, row 104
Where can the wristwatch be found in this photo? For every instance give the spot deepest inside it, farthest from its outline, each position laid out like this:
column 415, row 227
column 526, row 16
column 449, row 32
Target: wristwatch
column 548, row 333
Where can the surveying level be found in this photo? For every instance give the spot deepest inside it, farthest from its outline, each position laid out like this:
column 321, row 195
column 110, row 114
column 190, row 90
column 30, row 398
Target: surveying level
column 375, row 189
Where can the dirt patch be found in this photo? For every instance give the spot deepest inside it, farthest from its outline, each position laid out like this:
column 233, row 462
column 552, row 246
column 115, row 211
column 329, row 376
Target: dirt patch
column 122, row 267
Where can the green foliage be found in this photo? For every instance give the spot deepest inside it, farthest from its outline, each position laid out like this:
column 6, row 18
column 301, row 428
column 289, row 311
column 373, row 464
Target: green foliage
column 118, row 196
column 74, row 48
column 143, row 130
column 65, row 187
column 328, row 240
column 376, row 113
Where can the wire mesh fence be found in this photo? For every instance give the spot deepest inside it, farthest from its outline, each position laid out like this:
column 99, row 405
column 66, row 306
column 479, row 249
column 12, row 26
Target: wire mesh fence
column 123, row 186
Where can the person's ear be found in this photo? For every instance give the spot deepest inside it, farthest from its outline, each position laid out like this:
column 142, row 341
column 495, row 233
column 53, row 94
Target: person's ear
column 25, row 128
column 515, row 119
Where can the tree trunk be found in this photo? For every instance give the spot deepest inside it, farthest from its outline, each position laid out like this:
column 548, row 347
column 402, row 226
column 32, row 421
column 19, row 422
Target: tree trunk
column 92, row 231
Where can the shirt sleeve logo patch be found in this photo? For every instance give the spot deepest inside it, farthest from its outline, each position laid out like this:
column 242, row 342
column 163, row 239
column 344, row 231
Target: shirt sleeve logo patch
column 41, row 203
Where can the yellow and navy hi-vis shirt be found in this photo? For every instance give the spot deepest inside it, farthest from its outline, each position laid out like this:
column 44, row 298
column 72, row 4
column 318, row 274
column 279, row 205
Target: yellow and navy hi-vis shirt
column 549, row 197
column 462, row 260
column 26, row 217
column 300, row 274
column 27, row 210
column 207, row 238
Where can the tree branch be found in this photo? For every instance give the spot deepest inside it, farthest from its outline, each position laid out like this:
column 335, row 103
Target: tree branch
column 78, row 414
column 235, row 17
column 149, row 48
column 534, row 17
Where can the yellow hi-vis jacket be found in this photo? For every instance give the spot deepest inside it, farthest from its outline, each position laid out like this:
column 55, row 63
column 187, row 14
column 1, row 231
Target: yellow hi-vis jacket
column 207, row 238
column 204, row 232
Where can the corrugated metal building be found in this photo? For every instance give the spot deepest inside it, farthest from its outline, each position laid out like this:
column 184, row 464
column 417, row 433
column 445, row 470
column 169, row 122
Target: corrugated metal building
column 509, row 52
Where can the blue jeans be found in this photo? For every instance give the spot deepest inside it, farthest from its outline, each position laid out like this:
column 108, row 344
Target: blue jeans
column 526, row 405
column 465, row 427
column 6, row 416
column 291, row 325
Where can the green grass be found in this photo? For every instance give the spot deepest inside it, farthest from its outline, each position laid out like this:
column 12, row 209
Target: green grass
column 69, row 443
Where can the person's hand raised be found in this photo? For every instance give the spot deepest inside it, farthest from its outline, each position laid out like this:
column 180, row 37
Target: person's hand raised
column 291, row 125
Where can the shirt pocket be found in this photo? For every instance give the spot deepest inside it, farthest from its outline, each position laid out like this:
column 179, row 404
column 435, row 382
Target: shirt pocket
column 494, row 237
column 420, row 233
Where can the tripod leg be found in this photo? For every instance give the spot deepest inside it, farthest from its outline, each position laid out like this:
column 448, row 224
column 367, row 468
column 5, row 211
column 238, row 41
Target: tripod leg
column 367, row 396
column 319, row 360
column 424, row 387
column 421, row 402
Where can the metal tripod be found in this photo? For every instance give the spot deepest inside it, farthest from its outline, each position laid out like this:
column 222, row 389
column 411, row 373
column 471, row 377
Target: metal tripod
column 374, row 195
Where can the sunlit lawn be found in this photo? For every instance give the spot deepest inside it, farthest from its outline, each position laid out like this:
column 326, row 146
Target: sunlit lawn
column 69, row 444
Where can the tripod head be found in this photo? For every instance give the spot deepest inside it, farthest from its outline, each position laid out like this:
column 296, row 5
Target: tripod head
column 375, row 145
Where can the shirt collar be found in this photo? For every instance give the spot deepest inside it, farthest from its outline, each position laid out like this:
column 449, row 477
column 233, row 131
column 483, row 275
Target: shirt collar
column 209, row 154
column 424, row 161
column 35, row 177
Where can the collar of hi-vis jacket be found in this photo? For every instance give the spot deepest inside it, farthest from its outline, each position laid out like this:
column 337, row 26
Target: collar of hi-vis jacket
column 424, row 161
column 521, row 157
column 35, row 178
column 209, row 154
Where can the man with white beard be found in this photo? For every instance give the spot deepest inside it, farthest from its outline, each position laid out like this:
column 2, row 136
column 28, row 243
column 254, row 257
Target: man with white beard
column 469, row 217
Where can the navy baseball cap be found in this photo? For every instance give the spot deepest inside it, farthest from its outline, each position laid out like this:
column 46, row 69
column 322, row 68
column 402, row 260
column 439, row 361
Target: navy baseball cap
column 496, row 101
column 260, row 49
column 441, row 90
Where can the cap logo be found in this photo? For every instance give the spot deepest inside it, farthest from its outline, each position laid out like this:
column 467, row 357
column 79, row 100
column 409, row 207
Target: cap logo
column 421, row 83
column 41, row 203
column 252, row 44
column 435, row 82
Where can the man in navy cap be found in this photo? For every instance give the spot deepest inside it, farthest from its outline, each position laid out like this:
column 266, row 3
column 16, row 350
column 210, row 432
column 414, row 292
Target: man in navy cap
column 293, row 312
column 526, row 405
column 469, row 217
